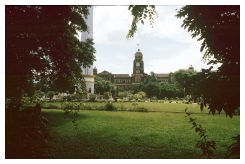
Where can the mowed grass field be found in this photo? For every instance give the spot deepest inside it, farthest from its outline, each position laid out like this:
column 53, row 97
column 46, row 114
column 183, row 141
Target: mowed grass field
column 163, row 132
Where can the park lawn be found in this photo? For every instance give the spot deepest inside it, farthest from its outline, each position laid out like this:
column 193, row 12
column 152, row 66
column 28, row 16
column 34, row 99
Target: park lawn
column 122, row 134
column 151, row 106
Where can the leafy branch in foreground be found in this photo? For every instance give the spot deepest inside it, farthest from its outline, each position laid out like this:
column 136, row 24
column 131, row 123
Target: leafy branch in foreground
column 74, row 111
column 205, row 144
column 140, row 13
column 218, row 30
column 234, row 148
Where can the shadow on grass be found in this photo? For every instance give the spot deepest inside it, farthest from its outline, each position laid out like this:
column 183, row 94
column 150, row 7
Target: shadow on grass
column 58, row 117
column 179, row 112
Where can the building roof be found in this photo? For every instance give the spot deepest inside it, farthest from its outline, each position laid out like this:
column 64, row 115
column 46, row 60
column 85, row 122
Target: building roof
column 158, row 75
column 104, row 72
column 182, row 70
column 121, row 76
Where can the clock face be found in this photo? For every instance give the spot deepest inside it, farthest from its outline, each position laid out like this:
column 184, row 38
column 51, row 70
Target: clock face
column 137, row 64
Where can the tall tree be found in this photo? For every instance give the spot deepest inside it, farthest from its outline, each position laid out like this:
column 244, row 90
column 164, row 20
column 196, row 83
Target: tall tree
column 183, row 80
column 41, row 41
column 101, row 86
column 41, row 46
column 218, row 28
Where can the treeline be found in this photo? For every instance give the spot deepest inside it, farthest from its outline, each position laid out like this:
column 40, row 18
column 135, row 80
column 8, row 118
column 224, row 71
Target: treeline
column 178, row 86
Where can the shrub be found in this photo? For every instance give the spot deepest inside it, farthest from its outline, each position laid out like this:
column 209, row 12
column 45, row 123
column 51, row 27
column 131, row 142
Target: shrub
column 26, row 100
column 68, row 98
column 137, row 97
column 92, row 97
column 86, row 107
column 139, row 109
column 122, row 94
column 142, row 94
column 122, row 108
column 71, row 106
column 50, row 106
column 134, row 104
column 38, row 94
column 110, row 107
column 154, row 98
column 107, row 95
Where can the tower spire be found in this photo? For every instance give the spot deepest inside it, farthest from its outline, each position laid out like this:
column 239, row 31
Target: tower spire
column 138, row 45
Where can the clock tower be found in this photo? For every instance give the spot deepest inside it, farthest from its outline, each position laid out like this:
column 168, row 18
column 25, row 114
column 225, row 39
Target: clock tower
column 138, row 68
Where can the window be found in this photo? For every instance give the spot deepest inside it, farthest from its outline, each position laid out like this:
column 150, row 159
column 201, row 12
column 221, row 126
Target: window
column 137, row 79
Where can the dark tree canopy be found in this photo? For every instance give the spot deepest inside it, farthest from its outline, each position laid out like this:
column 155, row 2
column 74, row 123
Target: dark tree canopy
column 41, row 43
column 183, row 80
column 218, row 28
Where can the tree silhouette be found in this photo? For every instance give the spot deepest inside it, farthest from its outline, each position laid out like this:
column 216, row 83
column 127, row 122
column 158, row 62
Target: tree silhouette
column 41, row 43
column 218, row 28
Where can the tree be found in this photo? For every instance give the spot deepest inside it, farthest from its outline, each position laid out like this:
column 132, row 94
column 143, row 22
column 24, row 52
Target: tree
column 216, row 92
column 152, row 89
column 140, row 95
column 41, row 43
column 101, row 86
column 42, row 49
column 150, row 78
column 50, row 95
column 107, row 95
column 169, row 90
column 218, row 28
column 38, row 94
column 182, row 79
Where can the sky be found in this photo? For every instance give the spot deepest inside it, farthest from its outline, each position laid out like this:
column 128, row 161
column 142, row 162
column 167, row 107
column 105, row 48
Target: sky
column 166, row 46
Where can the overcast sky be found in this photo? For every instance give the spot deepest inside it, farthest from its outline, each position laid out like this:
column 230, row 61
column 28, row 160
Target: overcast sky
column 166, row 47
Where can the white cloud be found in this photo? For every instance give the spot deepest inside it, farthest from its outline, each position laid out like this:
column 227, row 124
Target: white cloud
column 110, row 23
column 166, row 47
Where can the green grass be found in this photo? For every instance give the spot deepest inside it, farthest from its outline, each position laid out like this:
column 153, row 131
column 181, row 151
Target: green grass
column 163, row 133
column 151, row 106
